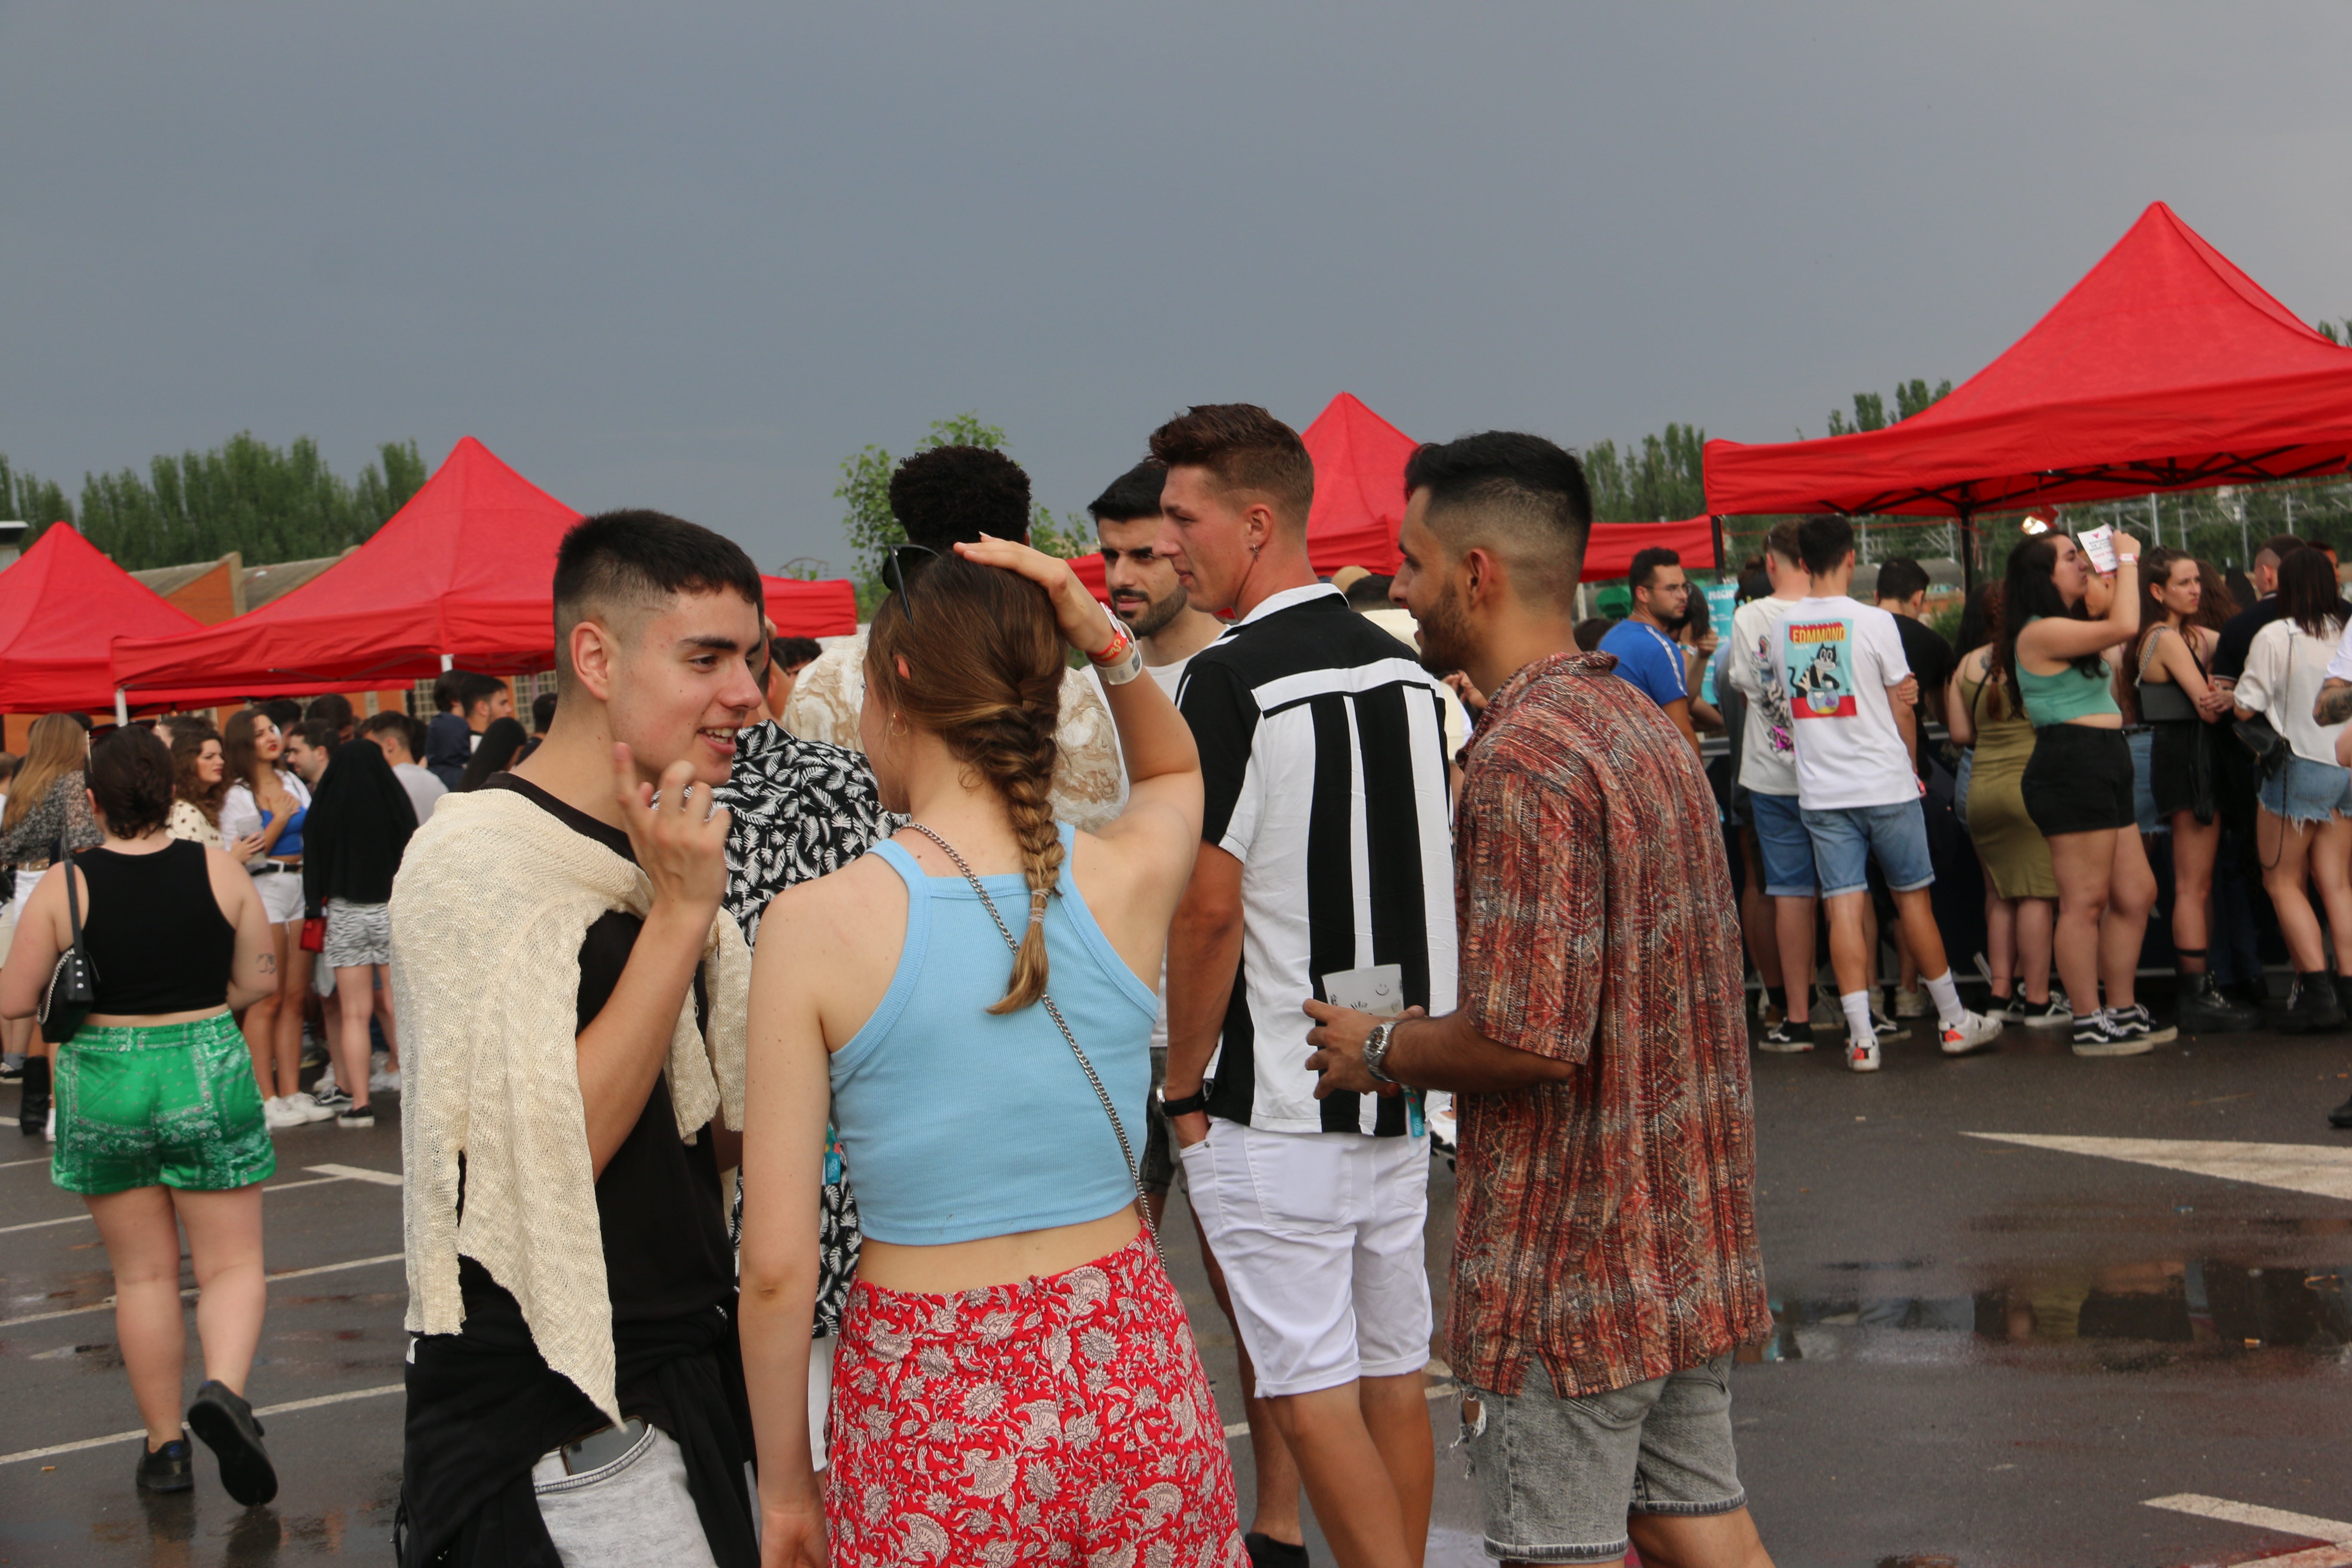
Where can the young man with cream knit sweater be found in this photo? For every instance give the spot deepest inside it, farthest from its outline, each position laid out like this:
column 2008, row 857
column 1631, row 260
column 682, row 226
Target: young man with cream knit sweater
column 571, row 1003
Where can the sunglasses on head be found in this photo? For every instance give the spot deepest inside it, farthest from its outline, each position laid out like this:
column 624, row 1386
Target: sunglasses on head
column 903, row 560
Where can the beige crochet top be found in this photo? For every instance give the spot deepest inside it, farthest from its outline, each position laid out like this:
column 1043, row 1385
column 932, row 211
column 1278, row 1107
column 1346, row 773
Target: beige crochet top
column 493, row 899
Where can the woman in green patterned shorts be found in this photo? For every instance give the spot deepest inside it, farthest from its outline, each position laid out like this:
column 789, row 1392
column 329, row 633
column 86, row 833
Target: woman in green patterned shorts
column 159, row 1119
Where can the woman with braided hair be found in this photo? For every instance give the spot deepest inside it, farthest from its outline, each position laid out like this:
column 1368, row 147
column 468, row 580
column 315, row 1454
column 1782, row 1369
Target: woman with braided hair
column 1015, row 1378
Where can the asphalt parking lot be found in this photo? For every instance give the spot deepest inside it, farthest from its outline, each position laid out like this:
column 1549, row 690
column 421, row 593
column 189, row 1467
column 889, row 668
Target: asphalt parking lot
column 2031, row 1309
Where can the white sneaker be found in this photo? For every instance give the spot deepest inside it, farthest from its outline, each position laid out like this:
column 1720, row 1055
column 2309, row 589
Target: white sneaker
column 276, row 1116
column 1910, row 1004
column 384, row 1081
column 1862, row 1058
column 1974, row 1032
column 304, row 1108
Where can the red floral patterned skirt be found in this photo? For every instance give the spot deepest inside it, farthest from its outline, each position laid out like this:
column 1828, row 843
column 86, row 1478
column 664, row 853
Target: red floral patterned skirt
column 1062, row 1419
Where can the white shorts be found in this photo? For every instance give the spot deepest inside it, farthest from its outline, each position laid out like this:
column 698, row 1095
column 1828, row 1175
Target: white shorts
column 1319, row 1235
column 281, row 895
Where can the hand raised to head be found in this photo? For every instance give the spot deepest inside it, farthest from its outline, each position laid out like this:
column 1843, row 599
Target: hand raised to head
column 680, row 836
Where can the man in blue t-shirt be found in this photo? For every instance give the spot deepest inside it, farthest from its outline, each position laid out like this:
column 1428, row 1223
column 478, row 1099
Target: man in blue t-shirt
column 1643, row 642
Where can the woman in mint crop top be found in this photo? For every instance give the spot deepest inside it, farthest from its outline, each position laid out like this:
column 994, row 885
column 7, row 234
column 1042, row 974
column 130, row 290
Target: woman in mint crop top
column 2078, row 785
column 995, row 1272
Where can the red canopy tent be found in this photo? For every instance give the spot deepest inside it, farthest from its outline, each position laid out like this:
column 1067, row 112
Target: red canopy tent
column 1610, row 549
column 464, row 571
column 1359, row 461
column 827, row 608
column 62, row 603
column 2165, row 368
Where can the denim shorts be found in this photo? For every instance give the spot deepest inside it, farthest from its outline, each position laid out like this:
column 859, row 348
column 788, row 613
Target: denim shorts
column 1557, row 1477
column 2305, row 791
column 1782, row 844
column 1845, row 838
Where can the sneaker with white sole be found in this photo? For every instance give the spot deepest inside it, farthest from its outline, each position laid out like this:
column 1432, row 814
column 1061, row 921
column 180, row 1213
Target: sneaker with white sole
column 2096, row 1035
column 275, row 1117
column 385, row 1080
column 2054, row 1014
column 1973, row 1032
column 1910, row 1004
column 1785, row 1038
column 305, row 1108
column 1862, row 1058
column 334, row 1100
column 2135, row 1023
column 1886, row 1027
column 357, row 1116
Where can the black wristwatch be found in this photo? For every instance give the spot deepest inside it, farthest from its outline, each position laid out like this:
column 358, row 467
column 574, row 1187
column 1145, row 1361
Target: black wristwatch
column 1196, row 1100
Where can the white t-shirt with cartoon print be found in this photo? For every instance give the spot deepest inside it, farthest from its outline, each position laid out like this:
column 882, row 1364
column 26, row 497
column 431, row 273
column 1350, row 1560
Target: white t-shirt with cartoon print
column 1836, row 658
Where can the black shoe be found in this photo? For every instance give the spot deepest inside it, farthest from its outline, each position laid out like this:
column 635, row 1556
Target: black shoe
column 33, row 1107
column 2311, row 1006
column 2252, row 992
column 225, row 1421
column 1265, row 1551
column 356, row 1116
column 2204, row 1010
column 335, row 1099
column 1786, row 1038
column 167, row 1469
column 2341, row 1116
column 12, row 1072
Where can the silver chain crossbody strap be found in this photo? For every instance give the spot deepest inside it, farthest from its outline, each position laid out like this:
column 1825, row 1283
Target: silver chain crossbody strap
column 1127, row 1150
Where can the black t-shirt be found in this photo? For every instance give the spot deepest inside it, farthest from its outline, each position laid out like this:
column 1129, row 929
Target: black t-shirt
column 1930, row 658
column 659, row 1203
column 2238, row 638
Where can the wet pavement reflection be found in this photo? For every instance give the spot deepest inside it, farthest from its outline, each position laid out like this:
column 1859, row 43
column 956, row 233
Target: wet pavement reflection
column 2231, row 1307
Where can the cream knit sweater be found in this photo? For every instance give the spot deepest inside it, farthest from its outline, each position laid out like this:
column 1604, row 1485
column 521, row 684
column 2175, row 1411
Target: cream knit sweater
column 493, row 899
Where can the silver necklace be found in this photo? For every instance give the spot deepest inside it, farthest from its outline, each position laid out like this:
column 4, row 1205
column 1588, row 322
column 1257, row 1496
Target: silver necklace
column 1127, row 1150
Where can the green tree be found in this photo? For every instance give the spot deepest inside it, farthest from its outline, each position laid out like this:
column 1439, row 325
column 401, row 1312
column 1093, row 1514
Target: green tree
column 1659, row 480
column 272, row 503
column 34, row 502
column 1870, row 408
column 871, row 529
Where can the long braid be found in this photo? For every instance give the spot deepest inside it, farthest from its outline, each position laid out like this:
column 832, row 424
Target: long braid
column 979, row 665
column 1018, row 757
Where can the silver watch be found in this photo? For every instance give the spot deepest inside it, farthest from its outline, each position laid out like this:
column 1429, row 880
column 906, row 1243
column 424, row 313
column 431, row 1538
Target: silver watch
column 1376, row 1050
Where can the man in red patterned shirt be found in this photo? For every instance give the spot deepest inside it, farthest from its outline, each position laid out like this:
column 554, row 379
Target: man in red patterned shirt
column 1605, row 1264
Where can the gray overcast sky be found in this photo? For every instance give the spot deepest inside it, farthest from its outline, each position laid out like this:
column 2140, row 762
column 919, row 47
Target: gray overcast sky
column 689, row 256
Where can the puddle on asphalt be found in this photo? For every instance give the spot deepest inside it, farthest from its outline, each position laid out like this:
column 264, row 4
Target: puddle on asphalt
column 2198, row 1301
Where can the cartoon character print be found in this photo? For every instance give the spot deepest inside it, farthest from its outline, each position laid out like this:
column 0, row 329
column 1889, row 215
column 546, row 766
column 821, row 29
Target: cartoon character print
column 1774, row 702
column 1821, row 670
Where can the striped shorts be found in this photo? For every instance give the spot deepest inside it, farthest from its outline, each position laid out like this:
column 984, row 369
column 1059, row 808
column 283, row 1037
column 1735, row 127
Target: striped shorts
column 356, row 934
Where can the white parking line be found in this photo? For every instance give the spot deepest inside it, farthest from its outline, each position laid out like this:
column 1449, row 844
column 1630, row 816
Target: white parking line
column 358, row 1173
column 2320, row 1168
column 107, row 1305
column 11, row 1164
column 42, row 1223
column 333, row 1173
column 287, row 1409
column 2334, row 1532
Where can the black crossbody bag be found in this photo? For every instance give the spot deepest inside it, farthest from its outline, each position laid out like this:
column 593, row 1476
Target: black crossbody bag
column 73, row 983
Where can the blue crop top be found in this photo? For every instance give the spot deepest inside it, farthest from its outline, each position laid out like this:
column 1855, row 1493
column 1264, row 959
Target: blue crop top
column 915, row 1091
column 290, row 843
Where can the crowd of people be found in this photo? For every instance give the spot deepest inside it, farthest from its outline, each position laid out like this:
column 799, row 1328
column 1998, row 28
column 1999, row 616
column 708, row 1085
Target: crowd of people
column 2099, row 728
column 695, row 993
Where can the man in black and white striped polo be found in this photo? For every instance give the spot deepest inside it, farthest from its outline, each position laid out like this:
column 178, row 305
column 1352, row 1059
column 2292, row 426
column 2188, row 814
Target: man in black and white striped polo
column 1326, row 868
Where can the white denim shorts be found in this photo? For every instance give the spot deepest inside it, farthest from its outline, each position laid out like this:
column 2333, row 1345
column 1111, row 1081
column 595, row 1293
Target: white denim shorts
column 1319, row 1235
column 281, row 895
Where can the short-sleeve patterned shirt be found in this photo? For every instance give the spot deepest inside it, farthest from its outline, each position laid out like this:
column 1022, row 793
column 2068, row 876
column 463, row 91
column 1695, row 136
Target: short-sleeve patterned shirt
column 1607, row 1222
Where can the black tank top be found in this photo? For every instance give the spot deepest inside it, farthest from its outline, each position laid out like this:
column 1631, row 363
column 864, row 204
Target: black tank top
column 155, row 932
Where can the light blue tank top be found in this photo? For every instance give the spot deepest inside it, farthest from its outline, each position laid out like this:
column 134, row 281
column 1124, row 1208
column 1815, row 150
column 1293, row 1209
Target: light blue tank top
column 958, row 1125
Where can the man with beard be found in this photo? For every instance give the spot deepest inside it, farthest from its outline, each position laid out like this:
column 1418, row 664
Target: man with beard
column 1605, row 1264
column 1323, row 864
column 1643, row 642
column 1145, row 595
